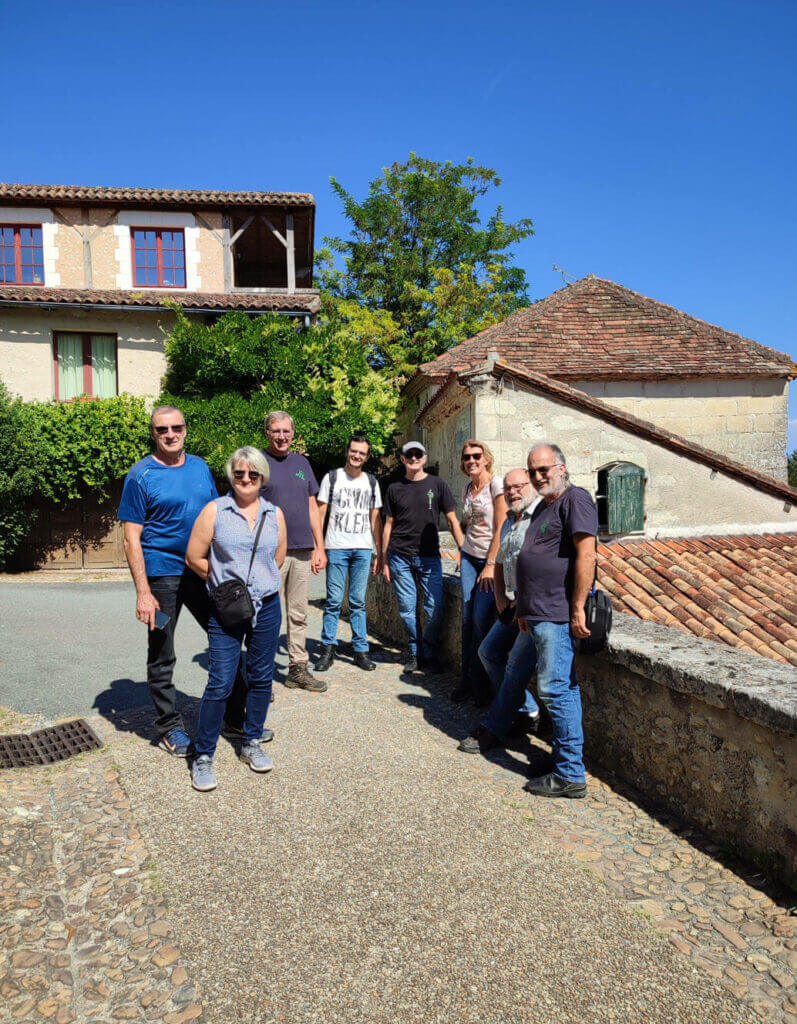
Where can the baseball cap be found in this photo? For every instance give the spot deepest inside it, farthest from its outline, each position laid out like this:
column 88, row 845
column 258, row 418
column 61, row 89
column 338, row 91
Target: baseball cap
column 412, row 446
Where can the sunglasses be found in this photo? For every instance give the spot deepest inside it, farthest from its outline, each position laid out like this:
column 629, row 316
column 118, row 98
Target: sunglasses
column 176, row 428
column 542, row 470
column 468, row 457
column 242, row 474
column 414, row 454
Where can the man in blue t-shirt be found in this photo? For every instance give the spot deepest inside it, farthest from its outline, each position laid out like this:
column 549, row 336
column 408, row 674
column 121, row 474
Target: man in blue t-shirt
column 162, row 496
column 555, row 571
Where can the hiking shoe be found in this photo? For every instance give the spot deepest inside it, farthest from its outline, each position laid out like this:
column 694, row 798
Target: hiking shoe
column 554, row 785
column 300, row 678
column 176, row 742
column 324, row 663
column 233, row 732
column 524, row 725
column 252, row 755
column 480, row 741
column 202, row 777
column 411, row 664
column 361, row 660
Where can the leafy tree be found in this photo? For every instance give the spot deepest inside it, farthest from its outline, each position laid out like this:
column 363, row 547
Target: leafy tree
column 792, row 464
column 227, row 376
column 417, row 240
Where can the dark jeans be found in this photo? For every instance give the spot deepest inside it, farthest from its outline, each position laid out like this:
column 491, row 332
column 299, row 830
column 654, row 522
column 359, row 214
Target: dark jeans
column 225, row 655
column 478, row 610
column 171, row 593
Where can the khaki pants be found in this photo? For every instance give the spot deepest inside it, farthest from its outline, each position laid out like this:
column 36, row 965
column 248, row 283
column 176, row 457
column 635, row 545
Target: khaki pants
column 295, row 576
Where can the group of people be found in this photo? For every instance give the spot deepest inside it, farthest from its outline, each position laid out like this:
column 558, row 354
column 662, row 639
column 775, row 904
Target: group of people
column 526, row 554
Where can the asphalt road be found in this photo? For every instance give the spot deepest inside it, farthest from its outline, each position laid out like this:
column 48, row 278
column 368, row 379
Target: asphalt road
column 73, row 648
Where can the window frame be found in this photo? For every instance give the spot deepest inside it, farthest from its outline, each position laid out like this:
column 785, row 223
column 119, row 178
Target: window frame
column 87, row 364
column 19, row 283
column 159, row 256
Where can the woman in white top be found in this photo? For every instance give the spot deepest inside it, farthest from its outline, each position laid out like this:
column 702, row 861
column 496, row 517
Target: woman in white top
column 484, row 513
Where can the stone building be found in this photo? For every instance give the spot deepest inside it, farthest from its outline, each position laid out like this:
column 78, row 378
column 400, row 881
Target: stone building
column 85, row 272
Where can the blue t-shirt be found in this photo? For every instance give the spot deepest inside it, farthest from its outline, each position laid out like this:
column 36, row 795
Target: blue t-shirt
column 166, row 500
column 291, row 484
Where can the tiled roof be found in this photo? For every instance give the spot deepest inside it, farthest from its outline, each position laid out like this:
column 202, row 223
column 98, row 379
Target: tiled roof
column 206, row 198
column 598, row 330
column 624, row 420
column 739, row 590
column 301, row 302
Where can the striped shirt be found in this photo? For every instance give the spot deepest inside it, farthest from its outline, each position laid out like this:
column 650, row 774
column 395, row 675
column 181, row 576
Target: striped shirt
column 231, row 549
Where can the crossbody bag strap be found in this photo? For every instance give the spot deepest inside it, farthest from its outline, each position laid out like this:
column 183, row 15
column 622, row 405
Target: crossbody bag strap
column 254, row 547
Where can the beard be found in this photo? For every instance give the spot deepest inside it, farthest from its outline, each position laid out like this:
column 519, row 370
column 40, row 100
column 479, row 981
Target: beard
column 522, row 503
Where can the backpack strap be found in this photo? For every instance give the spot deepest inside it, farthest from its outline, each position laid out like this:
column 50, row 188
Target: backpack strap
column 332, row 476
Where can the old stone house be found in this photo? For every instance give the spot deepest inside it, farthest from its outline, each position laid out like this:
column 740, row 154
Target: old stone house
column 85, row 272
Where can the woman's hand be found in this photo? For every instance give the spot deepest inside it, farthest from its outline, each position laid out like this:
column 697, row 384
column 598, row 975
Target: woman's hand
column 485, row 578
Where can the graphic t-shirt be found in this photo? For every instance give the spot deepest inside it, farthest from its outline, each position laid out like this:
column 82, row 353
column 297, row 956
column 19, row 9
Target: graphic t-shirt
column 478, row 511
column 349, row 524
column 546, row 560
column 166, row 500
column 415, row 507
column 292, row 483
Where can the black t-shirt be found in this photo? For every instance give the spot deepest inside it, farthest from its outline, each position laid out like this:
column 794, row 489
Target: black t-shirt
column 415, row 507
column 546, row 560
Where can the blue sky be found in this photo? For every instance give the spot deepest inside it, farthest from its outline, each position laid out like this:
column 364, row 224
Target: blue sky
column 653, row 144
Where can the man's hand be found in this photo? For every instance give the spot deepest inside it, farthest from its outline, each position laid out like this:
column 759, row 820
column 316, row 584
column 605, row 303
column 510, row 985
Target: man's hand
column 486, row 577
column 377, row 569
column 501, row 601
column 146, row 606
column 386, row 571
column 578, row 623
column 523, row 626
column 454, row 556
column 318, row 560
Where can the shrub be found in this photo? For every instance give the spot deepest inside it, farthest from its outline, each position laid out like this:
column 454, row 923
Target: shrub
column 23, row 473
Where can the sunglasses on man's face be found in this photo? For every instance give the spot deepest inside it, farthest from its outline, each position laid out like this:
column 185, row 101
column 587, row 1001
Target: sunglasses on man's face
column 542, row 470
column 242, row 474
column 175, row 428
column 414, row 454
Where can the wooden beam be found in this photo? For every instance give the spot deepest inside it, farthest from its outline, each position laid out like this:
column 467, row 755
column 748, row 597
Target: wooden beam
column 226, row 222
column 241, row 229
column 290, row 253
column 88, row 277
column 274, row 231
column 99, row 227
column 207, row 227
column 62, row 220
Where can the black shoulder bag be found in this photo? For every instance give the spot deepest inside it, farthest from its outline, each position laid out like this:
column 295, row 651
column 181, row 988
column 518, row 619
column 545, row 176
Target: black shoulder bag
column 598, row 612
column 231, row 602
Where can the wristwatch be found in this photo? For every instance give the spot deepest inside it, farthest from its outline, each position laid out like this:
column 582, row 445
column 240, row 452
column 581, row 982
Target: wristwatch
column 491, row 561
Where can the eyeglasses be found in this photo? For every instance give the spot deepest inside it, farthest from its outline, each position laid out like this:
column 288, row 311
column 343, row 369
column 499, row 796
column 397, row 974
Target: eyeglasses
column 472, row 457
column 175, row 428
column 414, row 454
column 242, row 474
column 543, row 470
column 515, row 487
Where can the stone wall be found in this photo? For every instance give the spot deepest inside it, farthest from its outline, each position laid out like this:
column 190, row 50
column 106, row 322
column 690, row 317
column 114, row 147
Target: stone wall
column 704, row 730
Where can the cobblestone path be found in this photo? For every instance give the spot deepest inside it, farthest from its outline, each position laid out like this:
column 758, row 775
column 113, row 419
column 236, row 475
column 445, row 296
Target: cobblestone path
column 377, row 875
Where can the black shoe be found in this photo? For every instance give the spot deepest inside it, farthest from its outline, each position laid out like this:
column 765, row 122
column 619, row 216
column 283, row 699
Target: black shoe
column 411, row 664
column 524, row 725
column 554, row 785
column 432, row 665
column 234, row 731
column 480, row 741
column 327, row 657
column 461, row 694
column 361, row 660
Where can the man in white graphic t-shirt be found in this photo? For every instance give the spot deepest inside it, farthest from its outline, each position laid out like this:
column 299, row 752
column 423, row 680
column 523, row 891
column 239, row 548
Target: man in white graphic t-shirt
column 354, row 522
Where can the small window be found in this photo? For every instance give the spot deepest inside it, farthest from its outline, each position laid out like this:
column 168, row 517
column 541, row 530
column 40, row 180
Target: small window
column 85, row 364
column 621, row 499
column 21, row 254
column 158, row 258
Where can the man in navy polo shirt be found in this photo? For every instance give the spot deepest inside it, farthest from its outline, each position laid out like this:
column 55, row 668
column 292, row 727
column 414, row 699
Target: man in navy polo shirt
column 162, row 496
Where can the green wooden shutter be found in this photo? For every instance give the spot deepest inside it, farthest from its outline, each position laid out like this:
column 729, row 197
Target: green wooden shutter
column 621, row 498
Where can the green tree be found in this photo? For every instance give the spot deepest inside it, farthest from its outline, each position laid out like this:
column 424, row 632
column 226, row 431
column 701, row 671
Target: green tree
column 792, row 464
column 417, row 240
column 228, row 375
column 23, row 473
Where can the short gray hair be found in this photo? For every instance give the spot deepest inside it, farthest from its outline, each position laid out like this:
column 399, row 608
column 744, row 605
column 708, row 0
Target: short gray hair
column 277, row 417
column 163, row 409
column 251, row 457
column 558, row 454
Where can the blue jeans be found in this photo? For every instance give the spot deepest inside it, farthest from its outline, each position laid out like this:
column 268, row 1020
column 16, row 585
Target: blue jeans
column 225, row 654
column 478, row 608
column 509, row 658
column 557, row 688
column 429, row 572
column 357, row 563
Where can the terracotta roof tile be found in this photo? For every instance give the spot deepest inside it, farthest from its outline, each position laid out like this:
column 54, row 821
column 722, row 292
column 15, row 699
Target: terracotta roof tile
column 301, row 302
column 206, row 198
column 595, row 329
column 739, row 590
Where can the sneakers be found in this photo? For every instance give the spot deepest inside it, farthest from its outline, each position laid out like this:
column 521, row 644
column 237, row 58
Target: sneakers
column 480, row 741
column 176, row 742
column 233, row 732
column 299, row 678
column 252, row 755
column 324, row 663
column 554, row 785
column 411, row 664
column 524, row 725
column 361, row 660
column 202, row 777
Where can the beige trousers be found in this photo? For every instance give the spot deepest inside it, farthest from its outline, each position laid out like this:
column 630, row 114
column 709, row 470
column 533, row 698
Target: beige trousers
column 295, row 576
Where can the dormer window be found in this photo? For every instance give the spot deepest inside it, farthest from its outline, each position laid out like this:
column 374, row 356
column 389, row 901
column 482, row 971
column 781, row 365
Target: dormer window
column 21, row 254
column 158, row 258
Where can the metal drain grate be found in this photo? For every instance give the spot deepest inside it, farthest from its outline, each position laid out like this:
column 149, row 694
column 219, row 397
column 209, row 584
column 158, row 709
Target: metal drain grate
column 45, row 746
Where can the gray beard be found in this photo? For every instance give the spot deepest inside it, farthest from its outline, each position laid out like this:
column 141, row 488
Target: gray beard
column 519, row 507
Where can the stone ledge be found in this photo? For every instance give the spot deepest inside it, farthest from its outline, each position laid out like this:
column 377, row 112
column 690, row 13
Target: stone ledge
column 755, row 688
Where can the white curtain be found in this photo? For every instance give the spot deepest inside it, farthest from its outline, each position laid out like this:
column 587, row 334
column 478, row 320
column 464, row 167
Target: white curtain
column 103, row 365
column 70, row 366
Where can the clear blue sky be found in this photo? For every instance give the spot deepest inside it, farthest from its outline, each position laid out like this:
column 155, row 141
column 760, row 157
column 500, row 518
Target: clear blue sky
column 653, row 144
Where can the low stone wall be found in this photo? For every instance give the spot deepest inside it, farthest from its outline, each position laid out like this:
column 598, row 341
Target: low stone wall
column 704, row 730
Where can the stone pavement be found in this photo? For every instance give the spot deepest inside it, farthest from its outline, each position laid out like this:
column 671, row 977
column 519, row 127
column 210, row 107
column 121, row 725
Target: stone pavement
column 376, row 875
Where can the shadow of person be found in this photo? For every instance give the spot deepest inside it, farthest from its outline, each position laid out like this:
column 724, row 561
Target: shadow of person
column 126, row 705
